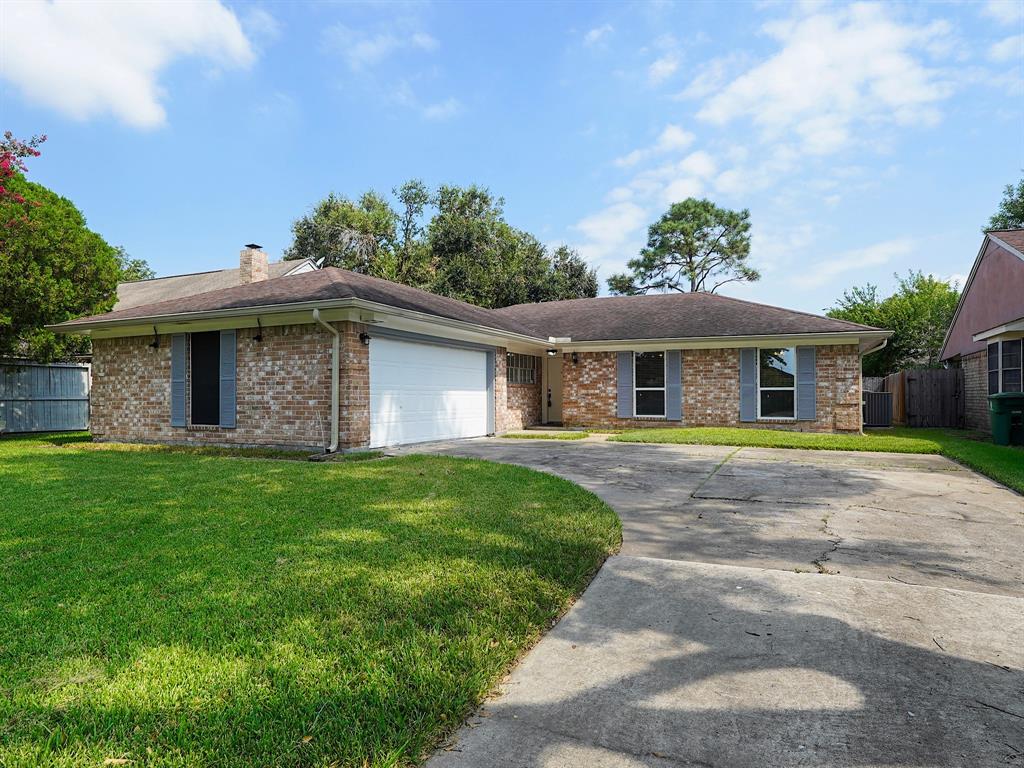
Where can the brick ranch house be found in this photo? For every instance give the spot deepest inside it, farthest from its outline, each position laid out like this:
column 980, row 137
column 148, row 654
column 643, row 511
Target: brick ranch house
column 986, row 334
column 331, row 359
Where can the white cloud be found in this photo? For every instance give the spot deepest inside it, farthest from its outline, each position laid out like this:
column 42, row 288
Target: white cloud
column 957, row 280
column 612, row 236
column 442, row 110
column 823, row 270
column 1008, row 49
column 597, row 34
column 661, row 69
column 89, row 59
column 362, row 49
column 673, row 138
column 1005, row 11
column 259, row 24
column 834, row 71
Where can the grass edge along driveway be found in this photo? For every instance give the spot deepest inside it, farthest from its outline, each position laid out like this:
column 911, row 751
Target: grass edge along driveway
column 175, row 609
column 1005, row 464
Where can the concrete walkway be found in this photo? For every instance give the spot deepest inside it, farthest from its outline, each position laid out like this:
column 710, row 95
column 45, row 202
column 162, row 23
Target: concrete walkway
column 773, row 608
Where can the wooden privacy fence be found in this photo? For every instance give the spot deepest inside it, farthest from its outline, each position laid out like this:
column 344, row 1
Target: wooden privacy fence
column 930, row 397
column 43, row 398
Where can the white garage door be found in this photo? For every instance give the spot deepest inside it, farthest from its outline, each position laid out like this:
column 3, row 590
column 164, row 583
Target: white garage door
column 421, row 392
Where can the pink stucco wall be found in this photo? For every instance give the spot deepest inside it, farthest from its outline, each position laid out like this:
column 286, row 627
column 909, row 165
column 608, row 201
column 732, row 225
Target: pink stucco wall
column 996, row 296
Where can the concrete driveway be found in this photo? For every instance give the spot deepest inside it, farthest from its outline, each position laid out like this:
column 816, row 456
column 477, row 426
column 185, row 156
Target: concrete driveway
column 773, row 608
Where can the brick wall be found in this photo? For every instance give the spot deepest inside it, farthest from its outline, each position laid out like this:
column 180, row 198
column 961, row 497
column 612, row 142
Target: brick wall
column 354, row 388
column 283, row 390
column 516, row 405
column 976, row 391
column 711, row 391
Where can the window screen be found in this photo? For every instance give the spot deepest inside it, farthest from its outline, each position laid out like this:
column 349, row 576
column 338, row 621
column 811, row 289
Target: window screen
column 993, row 368
column 776, row 383
column 1011, row 365
column 521, row 369
column 649, row 383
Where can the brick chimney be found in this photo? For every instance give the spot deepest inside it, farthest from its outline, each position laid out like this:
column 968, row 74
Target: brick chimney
column 253, row 264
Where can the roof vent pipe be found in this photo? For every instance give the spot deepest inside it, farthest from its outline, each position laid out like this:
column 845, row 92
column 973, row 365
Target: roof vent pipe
column 335, row 360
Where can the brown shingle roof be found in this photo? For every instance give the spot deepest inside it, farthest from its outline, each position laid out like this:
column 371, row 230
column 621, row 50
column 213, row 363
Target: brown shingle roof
column 1012, row 237
column 659, row 316
column 668, row 316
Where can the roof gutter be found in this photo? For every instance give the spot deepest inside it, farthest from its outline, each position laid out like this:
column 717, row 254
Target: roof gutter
column 876, row 348
column 335, row 375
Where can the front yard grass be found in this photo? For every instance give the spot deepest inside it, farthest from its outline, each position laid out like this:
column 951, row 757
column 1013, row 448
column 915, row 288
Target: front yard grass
column 546, row 435
column 181, row 609
column 1002, row 463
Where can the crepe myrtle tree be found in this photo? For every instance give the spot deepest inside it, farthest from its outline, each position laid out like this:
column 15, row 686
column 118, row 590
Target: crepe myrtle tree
column 695, row 246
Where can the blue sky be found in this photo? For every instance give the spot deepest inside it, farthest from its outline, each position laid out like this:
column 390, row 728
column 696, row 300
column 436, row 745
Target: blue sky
column 864, row 139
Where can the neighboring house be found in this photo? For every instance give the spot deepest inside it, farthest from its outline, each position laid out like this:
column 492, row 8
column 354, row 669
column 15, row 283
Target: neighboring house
column 252, row 267
column 337, row 359
column 986, row 334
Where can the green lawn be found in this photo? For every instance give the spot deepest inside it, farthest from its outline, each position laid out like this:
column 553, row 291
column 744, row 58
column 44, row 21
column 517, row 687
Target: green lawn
column 546, row 435
column 1005, row 464
column 181, row 609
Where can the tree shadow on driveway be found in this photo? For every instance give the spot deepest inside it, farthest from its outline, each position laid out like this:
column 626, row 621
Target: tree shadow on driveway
column 687, row 664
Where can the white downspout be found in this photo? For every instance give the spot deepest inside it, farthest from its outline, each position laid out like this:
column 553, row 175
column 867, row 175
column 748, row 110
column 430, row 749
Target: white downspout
column 335, row 360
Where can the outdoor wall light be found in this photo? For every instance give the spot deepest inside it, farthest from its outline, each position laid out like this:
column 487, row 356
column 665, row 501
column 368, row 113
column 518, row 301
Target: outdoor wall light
column 155, row 344
column 552, row 352
column 575, row 358
column 259, row 331
column 364, row 339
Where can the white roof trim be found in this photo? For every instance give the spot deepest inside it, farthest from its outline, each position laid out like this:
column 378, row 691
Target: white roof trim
column 1005, row 245
column 1014, row 326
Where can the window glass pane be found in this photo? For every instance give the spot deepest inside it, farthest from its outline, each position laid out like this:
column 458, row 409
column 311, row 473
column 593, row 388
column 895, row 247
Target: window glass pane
column 776, row 404
column 993, row 357
column 205, row 376
column 1011, row 354
column 650, row 402
column 778, row 367
column 993, row 382
column 1011, row 380
column 650, row 369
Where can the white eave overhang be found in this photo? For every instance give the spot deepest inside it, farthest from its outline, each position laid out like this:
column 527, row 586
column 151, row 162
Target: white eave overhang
column 373, row 313
column 1011, row 330
column 297, row 313
column 866, row 341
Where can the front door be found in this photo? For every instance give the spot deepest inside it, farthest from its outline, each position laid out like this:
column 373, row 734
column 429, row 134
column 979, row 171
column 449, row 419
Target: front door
column 553, row 389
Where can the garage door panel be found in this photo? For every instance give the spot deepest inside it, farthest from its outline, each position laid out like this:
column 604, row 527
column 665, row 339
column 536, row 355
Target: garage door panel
column 421, row 392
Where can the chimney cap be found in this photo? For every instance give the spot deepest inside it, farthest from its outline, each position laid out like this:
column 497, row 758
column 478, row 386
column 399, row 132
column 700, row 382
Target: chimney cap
column 254, row 246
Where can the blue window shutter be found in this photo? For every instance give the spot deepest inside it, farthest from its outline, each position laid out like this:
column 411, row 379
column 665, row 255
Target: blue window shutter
column 673, row 385
column 178, row 377
column 806, row 383
column 227, row 379
column 748, row 384
column 624, row 384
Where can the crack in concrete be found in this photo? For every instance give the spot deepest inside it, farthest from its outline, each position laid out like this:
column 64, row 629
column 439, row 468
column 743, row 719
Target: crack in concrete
column 718, row 466
column 824, row 557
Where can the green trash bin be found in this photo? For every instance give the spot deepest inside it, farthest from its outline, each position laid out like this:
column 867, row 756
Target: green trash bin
column 1006, row 412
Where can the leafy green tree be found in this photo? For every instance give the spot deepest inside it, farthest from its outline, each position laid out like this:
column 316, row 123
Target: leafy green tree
column 695, row 246
column 454, row 242
column 467, row 237
column 129, row 269
column 918, row 313
column 52, row 268
column 357, row 235
column 1011, row 208
column 412, row 253
column 571, row 277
